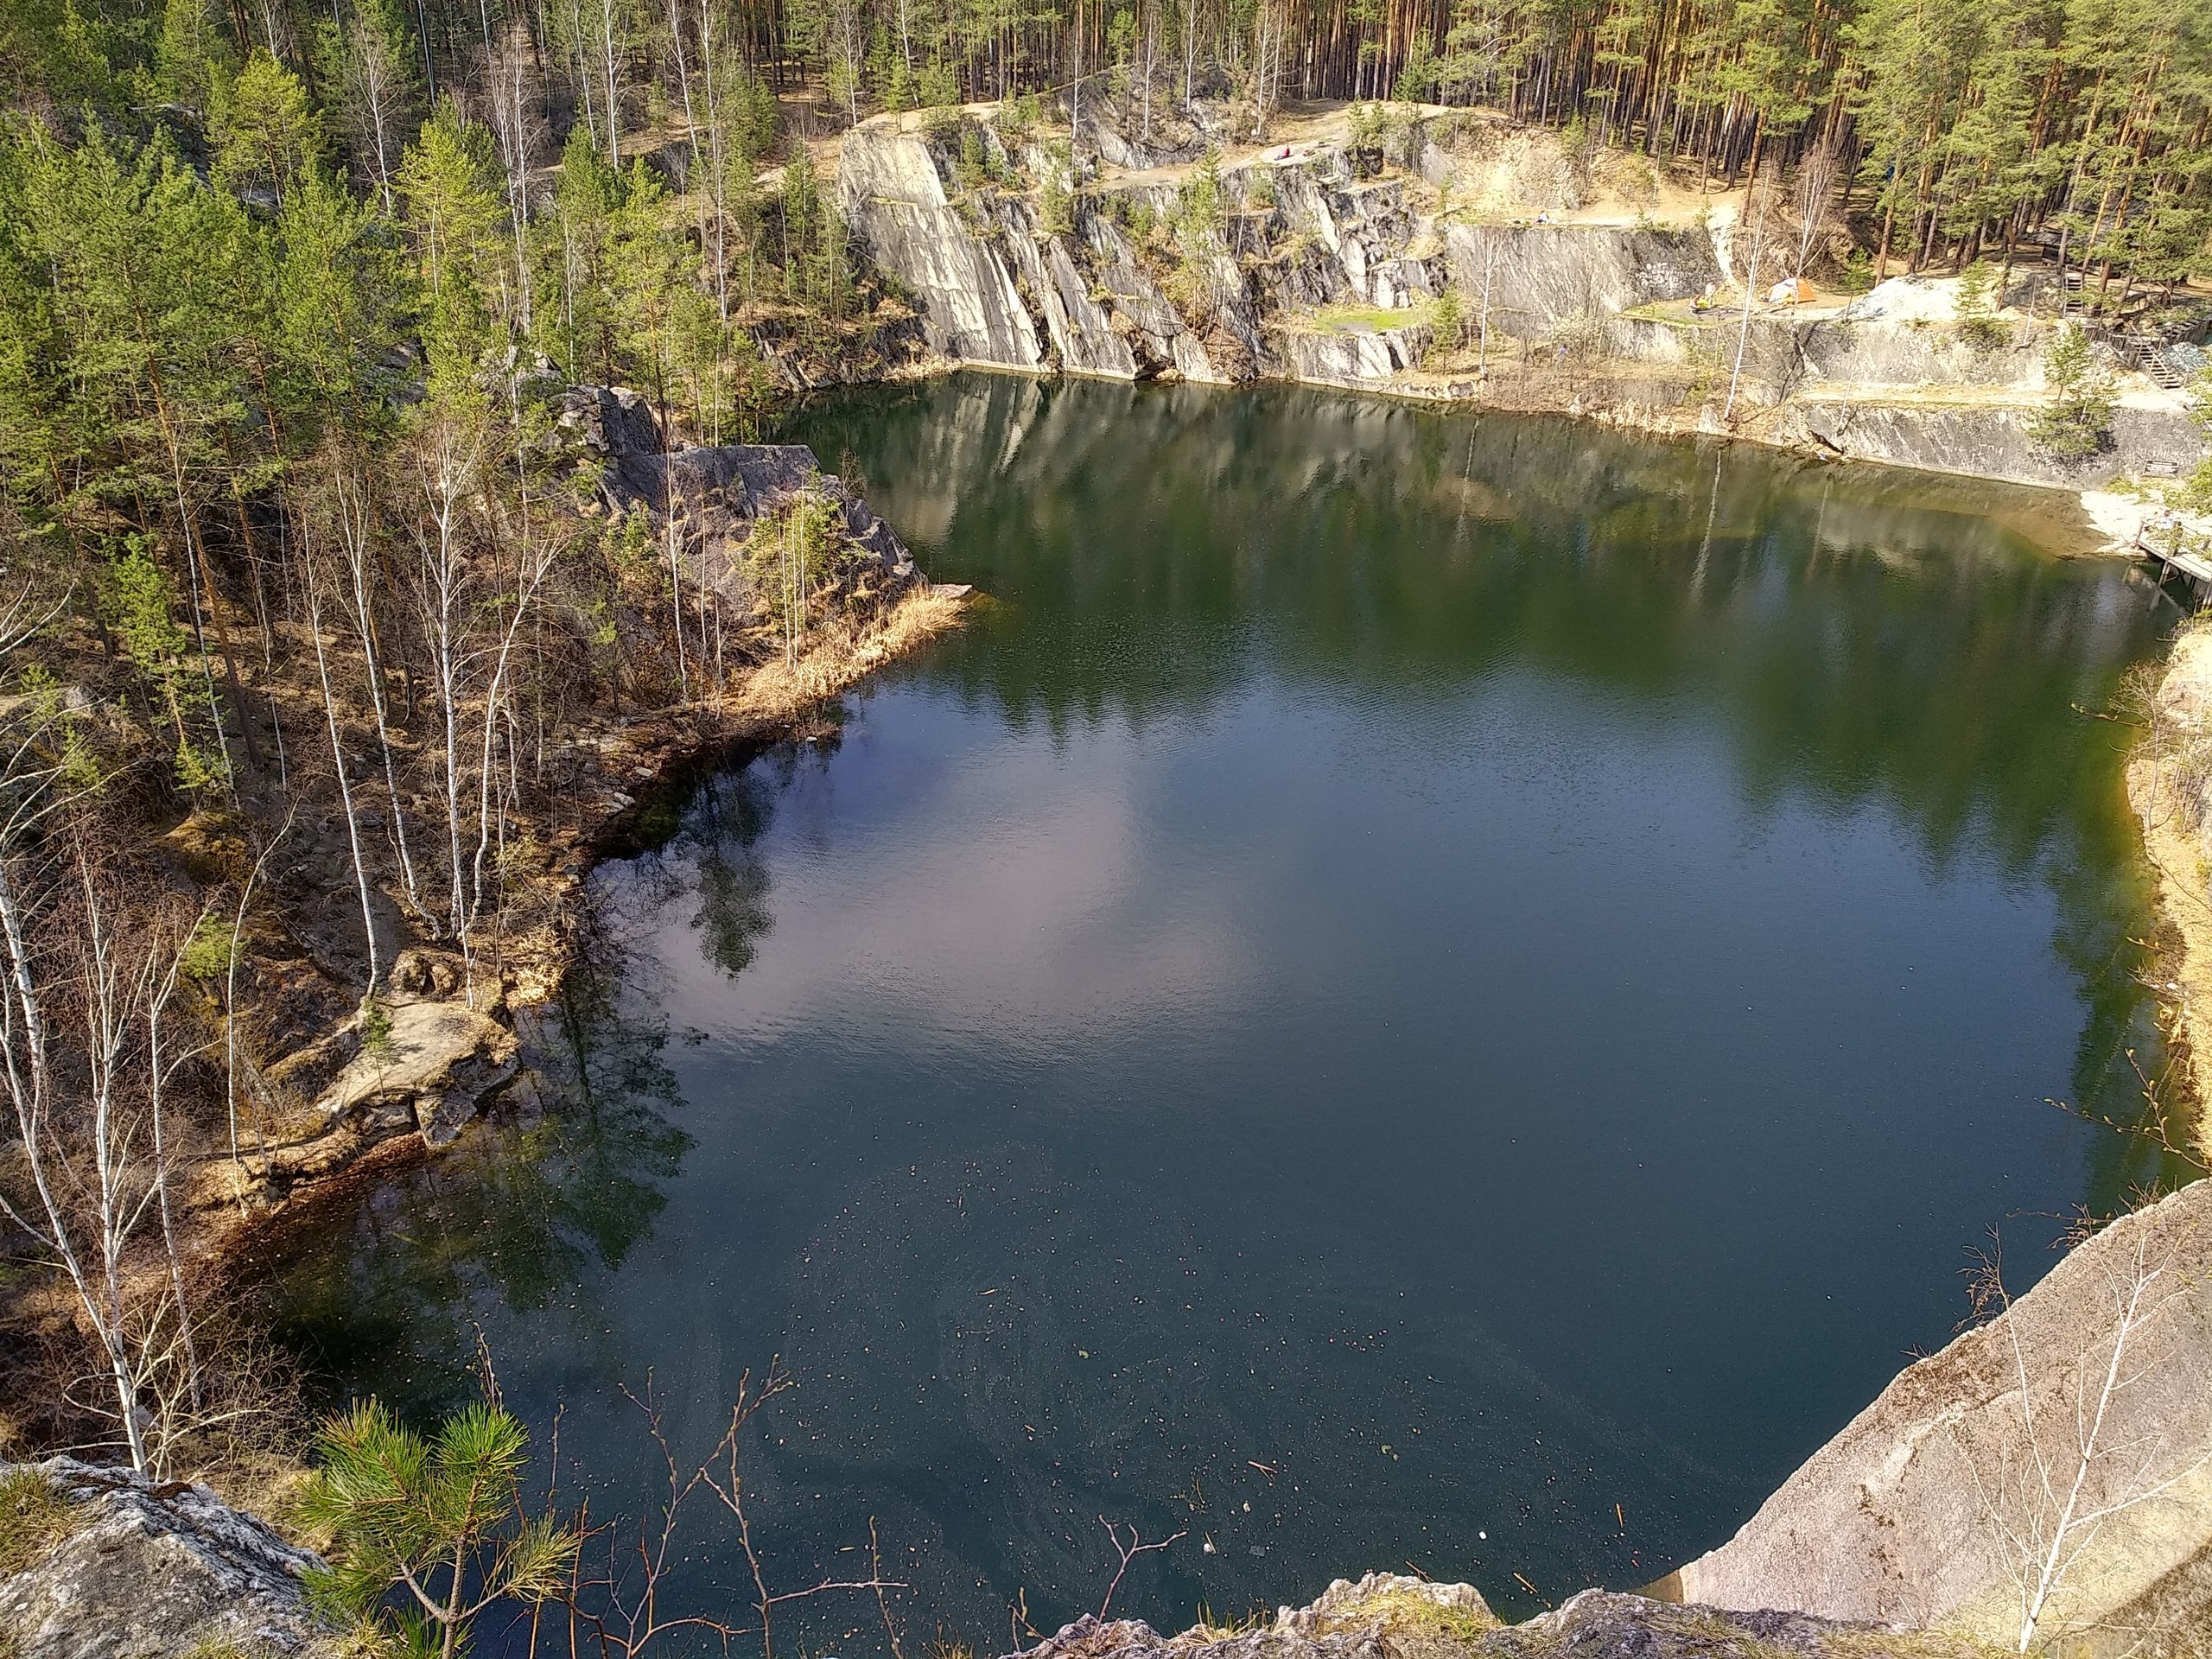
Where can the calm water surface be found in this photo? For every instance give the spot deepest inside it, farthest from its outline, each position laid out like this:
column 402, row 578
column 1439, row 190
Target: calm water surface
column 1411, row 976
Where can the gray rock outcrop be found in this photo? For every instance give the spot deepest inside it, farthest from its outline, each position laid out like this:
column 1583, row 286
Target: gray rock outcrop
column 1305, row 254
column 716, row 493
column 893, row 193
column 1541, row 275
column 151, row 1571
column 1943, row 1501
column 1349, row 357
column 1300, row 234
column 995, row 287
column 1987, row 441
column 1388, row 1616
column 435, row 1056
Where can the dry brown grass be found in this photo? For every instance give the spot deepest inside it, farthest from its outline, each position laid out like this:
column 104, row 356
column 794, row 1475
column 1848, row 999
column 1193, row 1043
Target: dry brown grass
column 844, row 653
column 1401, row 1612
column 1212, row 1628
column 1913, row 1644
column 34, row 1517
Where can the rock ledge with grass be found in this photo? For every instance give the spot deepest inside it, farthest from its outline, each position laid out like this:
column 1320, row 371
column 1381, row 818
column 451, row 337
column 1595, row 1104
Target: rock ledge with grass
column 1389, row 1616
column 102, row 1564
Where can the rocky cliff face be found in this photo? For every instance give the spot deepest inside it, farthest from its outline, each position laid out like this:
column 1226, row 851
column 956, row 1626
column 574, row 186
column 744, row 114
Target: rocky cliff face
column 1539, row 275
column 2068, row 1436
column 1298, row 234
column 1106, row 296
column 1985, row 440
column 2170, row 785
column 1317, row 261
column 712, row 496
column 156, row 1572
column 892, row 188
column 151, row 1571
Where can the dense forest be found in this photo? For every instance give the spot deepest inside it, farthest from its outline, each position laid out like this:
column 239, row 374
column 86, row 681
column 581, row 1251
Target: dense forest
column 334, row 205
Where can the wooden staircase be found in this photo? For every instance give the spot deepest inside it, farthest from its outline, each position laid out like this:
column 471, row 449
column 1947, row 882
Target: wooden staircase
column 2148, row 354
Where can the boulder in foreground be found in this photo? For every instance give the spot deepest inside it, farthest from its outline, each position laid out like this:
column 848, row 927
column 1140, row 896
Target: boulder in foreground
column 2071, row 1436
column 143, row 1571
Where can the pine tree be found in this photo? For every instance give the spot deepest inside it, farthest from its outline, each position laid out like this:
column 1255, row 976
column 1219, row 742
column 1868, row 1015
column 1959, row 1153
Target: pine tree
column 138, row 609
column 338, row 301
column 651, row 267
column 192, row 59
column 437, row 1523
column 575, row 313
column 2077, row 421
column 1417, row 76
column 1977, row 307
column 264, row 133
column 451, row 205
column 832, row 34
column 151, row 273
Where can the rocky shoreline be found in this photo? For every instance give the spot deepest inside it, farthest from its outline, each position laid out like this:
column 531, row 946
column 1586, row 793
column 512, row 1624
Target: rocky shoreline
column 136, row 1570
column 2167, row 787
column 447, row 1047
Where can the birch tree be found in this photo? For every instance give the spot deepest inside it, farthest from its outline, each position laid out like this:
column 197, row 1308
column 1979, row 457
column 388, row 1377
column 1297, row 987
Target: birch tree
column 445, row 459
column 83, row 1063
column 353, row 533
column 314, row 579
column 515, row 126
column 1755, row 206
column 373, row 87
column 2073, row 1457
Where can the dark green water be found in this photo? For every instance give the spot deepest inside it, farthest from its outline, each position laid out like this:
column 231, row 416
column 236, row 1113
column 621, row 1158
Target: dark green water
column 1412, row 980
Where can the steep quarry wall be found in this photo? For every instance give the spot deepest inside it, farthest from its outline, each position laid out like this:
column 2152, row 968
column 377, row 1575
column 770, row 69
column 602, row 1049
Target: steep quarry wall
column 1108, row 295
column 1324, row 260
column 1297, row 237
column 2170, row 785
column 893, row 194
column 1905, row 354
column 1984, row 439
column 1538, row 274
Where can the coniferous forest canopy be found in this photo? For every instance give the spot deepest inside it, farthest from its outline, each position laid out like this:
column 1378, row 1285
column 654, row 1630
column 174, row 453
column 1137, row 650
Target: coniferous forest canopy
column 329, row 203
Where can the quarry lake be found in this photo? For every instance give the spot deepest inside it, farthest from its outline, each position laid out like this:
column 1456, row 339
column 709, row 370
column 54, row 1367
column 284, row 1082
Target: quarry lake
column 1413, row 988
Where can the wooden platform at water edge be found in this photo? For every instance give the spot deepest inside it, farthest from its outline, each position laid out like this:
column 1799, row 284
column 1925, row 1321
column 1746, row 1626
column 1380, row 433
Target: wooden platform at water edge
column 2173, row 561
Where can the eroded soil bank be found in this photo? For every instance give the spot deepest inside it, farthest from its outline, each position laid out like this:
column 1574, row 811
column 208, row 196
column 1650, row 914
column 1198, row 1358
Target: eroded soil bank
column 2169, row 784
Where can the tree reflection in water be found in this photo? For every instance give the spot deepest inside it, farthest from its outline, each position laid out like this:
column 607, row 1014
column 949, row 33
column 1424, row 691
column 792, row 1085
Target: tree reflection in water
column 558, row 1188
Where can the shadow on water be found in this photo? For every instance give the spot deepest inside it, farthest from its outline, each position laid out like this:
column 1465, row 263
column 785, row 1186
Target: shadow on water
column 1245, row 1036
